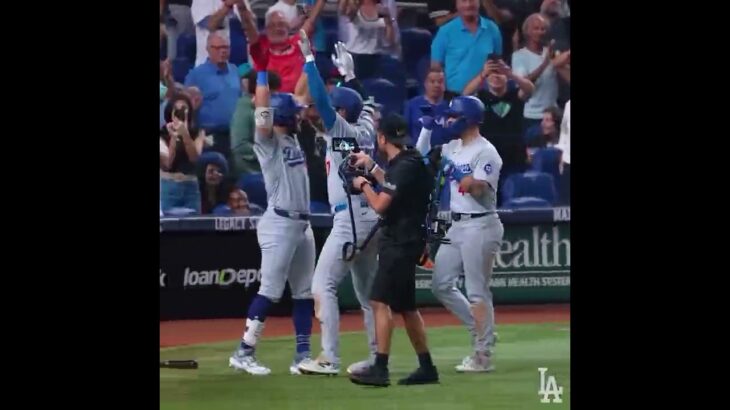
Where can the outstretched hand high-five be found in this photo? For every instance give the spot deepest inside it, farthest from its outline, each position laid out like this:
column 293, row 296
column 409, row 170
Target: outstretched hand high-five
column 305, row 46
column 342, row 59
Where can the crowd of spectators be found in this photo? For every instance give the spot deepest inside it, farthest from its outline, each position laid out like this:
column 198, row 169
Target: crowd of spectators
column 514, row 55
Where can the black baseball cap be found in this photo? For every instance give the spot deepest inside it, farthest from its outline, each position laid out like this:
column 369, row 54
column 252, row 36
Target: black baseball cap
column 394, row 128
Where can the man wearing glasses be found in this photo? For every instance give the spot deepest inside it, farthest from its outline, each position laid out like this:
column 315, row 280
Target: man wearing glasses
column 218, row 81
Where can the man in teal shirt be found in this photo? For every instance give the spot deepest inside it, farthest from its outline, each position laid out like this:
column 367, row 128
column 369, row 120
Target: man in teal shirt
column 462, row 45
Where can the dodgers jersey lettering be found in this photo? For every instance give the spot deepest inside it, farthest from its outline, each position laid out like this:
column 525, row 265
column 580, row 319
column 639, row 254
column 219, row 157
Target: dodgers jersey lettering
column 364, row 133
column 482, row 160
column 285, row 171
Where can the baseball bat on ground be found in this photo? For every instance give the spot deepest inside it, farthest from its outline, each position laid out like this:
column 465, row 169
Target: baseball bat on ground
column 179, row 364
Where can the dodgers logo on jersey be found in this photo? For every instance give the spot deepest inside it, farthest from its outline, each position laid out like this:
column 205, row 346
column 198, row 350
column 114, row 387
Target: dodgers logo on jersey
column 488, row 168
column 293, row 156
column 464, row 168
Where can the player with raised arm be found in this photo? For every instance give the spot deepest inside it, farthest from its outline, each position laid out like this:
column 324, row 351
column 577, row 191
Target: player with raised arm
column 284, row 232
column 348, row 123
column 472, row 165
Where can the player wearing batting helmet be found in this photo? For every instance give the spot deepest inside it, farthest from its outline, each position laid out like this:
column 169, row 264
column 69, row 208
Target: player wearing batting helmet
column 472, row 166
column 284, row 232
column 348, row 122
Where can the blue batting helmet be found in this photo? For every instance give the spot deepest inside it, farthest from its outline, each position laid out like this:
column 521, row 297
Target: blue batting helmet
column 348, row 99
column 468, row 111
column 285, row 108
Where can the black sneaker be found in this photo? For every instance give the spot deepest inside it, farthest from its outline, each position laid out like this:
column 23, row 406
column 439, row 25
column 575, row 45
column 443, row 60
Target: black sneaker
column 373, row 376
column 421, row 376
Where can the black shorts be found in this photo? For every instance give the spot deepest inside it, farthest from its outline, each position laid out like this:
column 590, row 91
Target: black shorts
column 395, row 281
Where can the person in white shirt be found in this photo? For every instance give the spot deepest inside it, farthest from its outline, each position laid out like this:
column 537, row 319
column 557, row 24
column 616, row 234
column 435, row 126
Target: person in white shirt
column 540, row 64
column 472, row 166
column 211, row 16
column 368, row 30
column 564, row 146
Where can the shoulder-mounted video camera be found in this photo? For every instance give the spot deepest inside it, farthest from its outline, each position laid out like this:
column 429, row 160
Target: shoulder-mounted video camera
column 436, row 226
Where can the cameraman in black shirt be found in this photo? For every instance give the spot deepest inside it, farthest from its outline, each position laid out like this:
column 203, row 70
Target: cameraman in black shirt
column 403, row 205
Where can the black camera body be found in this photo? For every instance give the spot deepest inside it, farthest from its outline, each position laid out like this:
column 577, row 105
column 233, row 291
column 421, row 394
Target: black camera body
column 348, row 173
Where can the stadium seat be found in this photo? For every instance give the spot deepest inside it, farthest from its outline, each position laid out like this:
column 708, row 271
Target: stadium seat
column 186, row 47
column 317, row 207
column 422, row 66
column 324, row 65
column 329, row 25
column 239, row 46
column 530, row 184
column 416, row 43
column 548, row 160
column 526, row 202
column 532, row 135
column 180, row 68
column 253, row 186
column 385, row 93
column 392, row 70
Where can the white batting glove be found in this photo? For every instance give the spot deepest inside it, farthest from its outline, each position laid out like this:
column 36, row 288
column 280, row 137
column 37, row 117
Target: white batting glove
column 342, row 59
column 305, row 46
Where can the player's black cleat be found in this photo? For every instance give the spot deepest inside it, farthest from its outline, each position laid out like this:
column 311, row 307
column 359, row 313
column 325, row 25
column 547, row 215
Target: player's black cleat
column 421, row 375
column 373, row 376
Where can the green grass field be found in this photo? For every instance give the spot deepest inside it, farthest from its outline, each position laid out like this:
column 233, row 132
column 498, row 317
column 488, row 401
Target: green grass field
column 520, row 351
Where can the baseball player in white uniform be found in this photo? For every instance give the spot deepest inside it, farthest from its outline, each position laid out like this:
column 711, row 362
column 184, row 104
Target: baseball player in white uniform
column 284, row 232
column 347, row 122
column 472, row 165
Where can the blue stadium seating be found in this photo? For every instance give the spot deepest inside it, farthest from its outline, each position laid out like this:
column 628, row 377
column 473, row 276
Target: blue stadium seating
column 253, row 186
column 530, row 184
column 392, row 70
column 186, row 47
column 526, row 202
column 415, row 43
column 422, row 67
column 180, row 68
column 385, row 93
column 331, row 34
column 239, row 46
column 547, row 160
column 533, row 135
column 324, row 64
